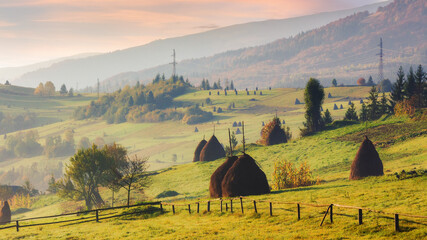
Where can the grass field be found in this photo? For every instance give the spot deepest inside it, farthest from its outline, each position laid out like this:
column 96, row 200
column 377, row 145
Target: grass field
column 401, row 143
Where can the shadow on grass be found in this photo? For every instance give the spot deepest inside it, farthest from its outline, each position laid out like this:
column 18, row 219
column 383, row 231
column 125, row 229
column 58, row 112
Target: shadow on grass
column 316, row 187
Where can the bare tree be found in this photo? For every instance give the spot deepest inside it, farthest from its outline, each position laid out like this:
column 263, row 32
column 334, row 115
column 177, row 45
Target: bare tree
column 132, row 174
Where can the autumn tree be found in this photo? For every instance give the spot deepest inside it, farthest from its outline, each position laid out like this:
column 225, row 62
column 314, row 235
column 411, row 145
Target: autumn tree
column 63, row 91
column 49, row 89
column 39, row 90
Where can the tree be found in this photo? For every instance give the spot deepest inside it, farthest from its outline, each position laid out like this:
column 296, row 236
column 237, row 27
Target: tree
column 361, row 81
column 334, row 82
column 86, row 170
column 327, row 118
column 385, row 86
column 351, row 113
column 397, row 93
column 119, row 155
column 232, row 85
column 372, row 107
column 384, row 107
column 420, row 79
column 49, row 89
column 208, row 86
column 84, row 143
column 140, row 99
column 39, row 90
column 370, row 81
column 7, row 83
column 63, row 90
column 132, row 175
column 52, row 187
column 410, row 85
column 130, row 102
column 364, row 113
column 71, row 92
column 313, row 97
column 150, row 97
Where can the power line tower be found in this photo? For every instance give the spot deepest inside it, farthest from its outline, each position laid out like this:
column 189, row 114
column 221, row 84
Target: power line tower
column 381, row 64
column 174, row 63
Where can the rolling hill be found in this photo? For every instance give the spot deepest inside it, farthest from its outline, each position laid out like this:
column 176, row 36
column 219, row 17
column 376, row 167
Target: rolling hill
column 345, row 49
column 86, row 71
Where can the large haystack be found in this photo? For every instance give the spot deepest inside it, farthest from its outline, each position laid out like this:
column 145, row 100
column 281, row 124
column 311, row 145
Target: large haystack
column 212, row 150
column 244, row 178
column 217, row 177
column 198, row 150
column 5, row 214
column 272, row 133
column 367, row 162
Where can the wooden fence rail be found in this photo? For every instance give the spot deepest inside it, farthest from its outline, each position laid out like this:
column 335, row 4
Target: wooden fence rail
column 271, row 204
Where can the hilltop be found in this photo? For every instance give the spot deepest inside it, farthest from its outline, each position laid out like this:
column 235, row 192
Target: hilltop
column 345, row 49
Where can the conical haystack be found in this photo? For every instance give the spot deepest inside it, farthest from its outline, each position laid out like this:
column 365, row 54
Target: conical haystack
column 217, row 177
column 272, row 133
column 244, row 178
column 5, row 214
column 198, row 150
column 367, row 162
column 212, row 150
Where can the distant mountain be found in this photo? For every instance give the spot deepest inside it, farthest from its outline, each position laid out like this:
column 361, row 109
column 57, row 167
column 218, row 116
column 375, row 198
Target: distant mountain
column 87, row 70
column 345, row 49
column 11, row 73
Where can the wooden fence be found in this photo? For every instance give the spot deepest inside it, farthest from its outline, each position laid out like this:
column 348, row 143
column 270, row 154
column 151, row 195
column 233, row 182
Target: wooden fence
column 224, row 205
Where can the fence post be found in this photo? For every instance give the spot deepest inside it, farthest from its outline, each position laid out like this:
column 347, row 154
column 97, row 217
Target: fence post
column 189, row 209
column 161, row 207
column 299, row 211
column 17, row 226
column 221, row 205
column 332, row 218
column 209, row 206
column 241, row 204
column 173, row 209
column 255, row 207
column 360, row 217
column 198, row 206
column 231, row 205
column 271, row 209
column 226, row 207
column 326, row 213
column 396, row 223
column 97, row 218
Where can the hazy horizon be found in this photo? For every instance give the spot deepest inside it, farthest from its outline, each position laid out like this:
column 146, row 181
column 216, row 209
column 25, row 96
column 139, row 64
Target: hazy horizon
column 33, row 31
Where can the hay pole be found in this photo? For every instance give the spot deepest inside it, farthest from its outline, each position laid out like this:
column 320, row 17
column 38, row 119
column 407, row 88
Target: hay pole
column 360, row 217
column 255, row 207
column 243, row 130
column 271, row 209
column 209, row 206
column 231, row 205
column 299, row 211
column 396, row 223
column 241, row 204
column 221, row 205
column 198, row 207
column 229, row 140
column 326, row 213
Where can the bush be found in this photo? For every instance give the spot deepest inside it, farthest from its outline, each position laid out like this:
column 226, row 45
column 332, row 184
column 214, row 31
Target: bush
column 285, row 175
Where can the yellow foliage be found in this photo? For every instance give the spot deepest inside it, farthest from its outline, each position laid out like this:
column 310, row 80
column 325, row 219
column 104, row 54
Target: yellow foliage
column 285, row 175
column 20, row 201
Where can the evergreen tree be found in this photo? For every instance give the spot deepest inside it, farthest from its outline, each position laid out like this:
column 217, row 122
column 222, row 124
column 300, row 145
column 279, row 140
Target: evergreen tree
column 208, row 86
column 150, row 97
column 370, row 81
column 71, row 92
column 420, row 79
column 219, row 84
column 398, row 87
column 410, row 83
column 327, row 118
column 313, row 96
column 351, row 113
column 364, row 113
column 373, row 106
column 203, row 84
column 334, row 82
column 130, row 102
column 384, row 107
column 232, row 85
column 140, row 99
column 215, row 86
column 63, row 90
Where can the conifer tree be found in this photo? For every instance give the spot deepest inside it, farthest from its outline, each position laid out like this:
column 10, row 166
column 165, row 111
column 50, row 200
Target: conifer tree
column 351, row 113
column 410, row 83
column 398, row 88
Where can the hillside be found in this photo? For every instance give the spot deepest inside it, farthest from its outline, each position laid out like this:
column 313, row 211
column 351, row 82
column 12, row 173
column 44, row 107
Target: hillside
column 167, row 143
column 87, row 70
column 345, row 49
column 330, row 158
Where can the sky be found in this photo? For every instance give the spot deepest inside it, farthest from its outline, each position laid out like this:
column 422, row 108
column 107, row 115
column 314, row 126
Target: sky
column 32, row 31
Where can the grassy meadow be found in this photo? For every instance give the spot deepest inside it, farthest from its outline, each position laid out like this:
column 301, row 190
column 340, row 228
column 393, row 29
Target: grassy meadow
column 401, row 144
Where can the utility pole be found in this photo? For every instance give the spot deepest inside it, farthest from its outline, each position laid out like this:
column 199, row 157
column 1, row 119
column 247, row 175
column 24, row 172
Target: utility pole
column 381, row 65
column 174, row 63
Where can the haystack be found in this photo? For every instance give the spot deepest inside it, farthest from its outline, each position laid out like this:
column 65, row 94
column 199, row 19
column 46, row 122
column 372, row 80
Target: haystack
column 329, row 95
column 239, row 124
column 238, row 131
column 235, row 124
column 244, row 178
column 5, row 214
column 367, row 162
column 212, row 150
column 198, row 150
column 341, row 107
column 361, row 101
column 263, row 124
column 321, row 108
column 335, row 107
column 297, row 101
column 349, row 102
column 272, row 133
column 217, row 177
column 196, row 129
column 283, row 122
column 260, row 93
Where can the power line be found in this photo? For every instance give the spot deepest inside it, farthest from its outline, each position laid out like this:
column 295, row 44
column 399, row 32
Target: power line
column 174, row 63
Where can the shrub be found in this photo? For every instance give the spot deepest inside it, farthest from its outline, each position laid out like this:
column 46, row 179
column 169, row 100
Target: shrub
column 285, row 175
